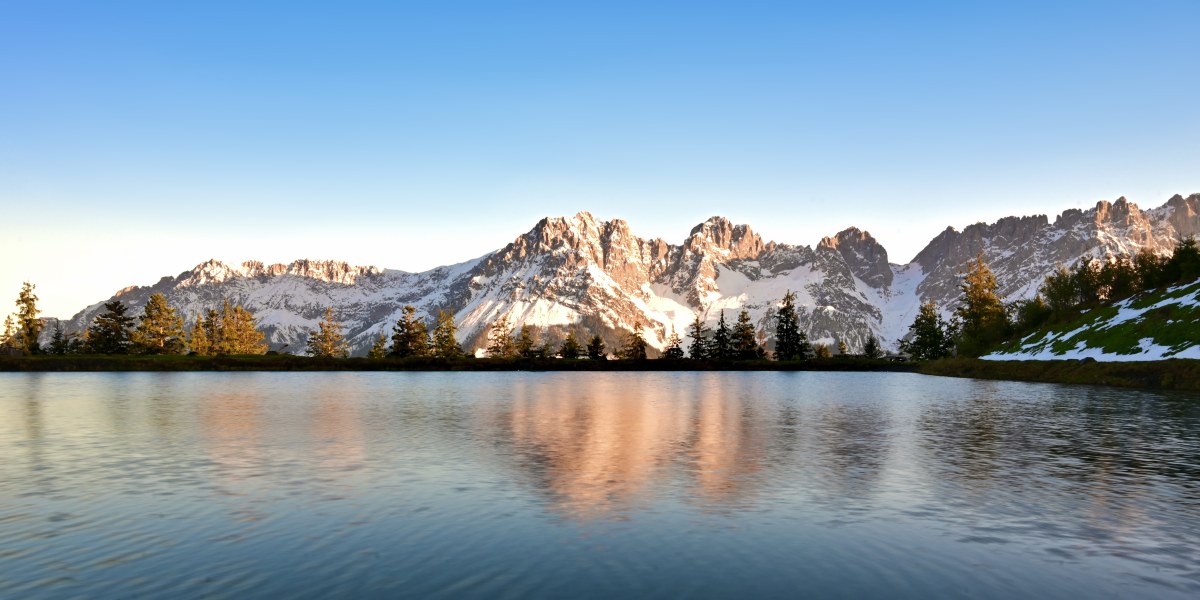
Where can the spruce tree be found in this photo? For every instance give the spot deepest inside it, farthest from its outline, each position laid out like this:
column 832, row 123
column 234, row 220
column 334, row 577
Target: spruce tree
column 60, row 344
column 328, row 341
column 379, row 349
column 595, row 348
column 524, row 343
column 983, row 318
column 722, row 345
column 410, row 337
column 635, row 344
column 28, row 324
column 698, row 350
column 570, row 349
column 805, row 351
column 8, row 338
column 109, row 333
column 871, row 348
column 160, row 330
column 745, row 344
column 445, row 346
column 238, row 332
column 674, row 349
column 929, row 335
column 500, row 339
column 198, row 341
column 787, row 329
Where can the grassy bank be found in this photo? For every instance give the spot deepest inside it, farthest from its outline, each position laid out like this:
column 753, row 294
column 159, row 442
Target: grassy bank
column 1177, row 374
column 304, row 363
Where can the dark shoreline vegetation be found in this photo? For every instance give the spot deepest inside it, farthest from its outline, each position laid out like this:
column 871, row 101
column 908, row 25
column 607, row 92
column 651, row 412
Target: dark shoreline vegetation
column 1174, row 374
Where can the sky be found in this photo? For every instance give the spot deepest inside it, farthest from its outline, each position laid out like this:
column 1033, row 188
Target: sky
column 138, row 139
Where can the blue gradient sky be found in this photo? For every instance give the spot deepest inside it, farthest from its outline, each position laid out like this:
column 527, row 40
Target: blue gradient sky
column 138, row 139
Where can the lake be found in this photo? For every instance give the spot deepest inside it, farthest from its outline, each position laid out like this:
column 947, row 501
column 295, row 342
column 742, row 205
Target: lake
column 244, row 485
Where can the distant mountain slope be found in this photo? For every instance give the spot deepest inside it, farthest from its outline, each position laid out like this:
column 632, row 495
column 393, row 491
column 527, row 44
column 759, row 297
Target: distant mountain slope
column 1151, row 326
column 583, row 272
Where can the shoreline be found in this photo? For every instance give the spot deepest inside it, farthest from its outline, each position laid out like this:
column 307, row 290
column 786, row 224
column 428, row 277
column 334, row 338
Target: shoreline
column 1174, row 374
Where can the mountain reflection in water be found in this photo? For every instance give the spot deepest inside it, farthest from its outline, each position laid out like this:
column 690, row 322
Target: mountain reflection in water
column 593, row 484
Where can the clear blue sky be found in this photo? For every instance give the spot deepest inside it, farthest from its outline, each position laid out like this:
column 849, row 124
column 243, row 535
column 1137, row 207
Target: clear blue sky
column 140, row 138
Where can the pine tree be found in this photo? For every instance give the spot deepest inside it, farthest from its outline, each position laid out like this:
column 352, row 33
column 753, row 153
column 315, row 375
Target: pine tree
column 635, row 344
column 8, row 339
column 410, row 337
column 698, row 350
column 595, row 348
column 445, row 346
column 28, row 324
column 822, row 351
column 787, row 329
column 722, row 345
column 500, row 339
column 109, row 333
column 524, row 343
column 745, row 344
column 328, row 341
column 984, row 321
column 160, row 330
column 871, row 348
column 198, row 341
column 674, row 349
column 570, row 348
column 843, row 350
column 379, row 349
column 237, row 332
column 59, row 342
column 929, row 335
column 805, row 349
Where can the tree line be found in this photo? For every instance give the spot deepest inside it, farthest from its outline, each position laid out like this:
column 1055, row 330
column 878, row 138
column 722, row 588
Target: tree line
column 982, row 321
column 233, row 329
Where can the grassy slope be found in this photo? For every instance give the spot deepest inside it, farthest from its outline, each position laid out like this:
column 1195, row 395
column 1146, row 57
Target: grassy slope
column 1175, row 374
column 1157, row 325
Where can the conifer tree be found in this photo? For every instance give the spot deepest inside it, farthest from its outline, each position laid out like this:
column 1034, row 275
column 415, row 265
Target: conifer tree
column 8, row 339
column 635, row 344
column 29, row 326
column 160, row 330
column 379, row 349
column 410, row 337
column 745, row 344
column 237, row 332
column 60, row 344
column 570, row 349
column 787, row 329
column 524, row 343
column 871, row 348
column 822, row 351
column 500, row 339
column 805, row 349
column 983, row 318
column 595, row 348
column 674, row 349
column 698, row 350
column 722, row 344
column 199, row 342
column 328, row 341
column 843, row 350
column 445, row 346
column 109, row 333
column 930, row 337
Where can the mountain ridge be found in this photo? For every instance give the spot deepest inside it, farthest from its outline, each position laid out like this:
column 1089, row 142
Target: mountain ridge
column 580, row 271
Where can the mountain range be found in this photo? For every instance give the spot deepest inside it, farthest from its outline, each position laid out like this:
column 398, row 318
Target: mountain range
column 584, row 273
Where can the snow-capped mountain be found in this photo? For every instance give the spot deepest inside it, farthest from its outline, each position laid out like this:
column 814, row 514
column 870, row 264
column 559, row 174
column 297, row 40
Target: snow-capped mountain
column 581, row 272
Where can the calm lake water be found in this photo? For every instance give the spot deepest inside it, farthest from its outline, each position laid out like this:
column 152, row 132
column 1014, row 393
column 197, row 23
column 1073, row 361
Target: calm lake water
column 181, row 485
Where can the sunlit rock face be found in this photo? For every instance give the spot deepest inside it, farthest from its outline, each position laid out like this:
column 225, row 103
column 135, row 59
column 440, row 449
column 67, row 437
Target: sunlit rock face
column 595, row 276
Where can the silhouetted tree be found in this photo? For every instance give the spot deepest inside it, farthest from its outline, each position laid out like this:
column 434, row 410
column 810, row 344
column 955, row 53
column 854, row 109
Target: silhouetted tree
column 635, row 344
column 570, row 349
column 445, row 346
column 524, row 343
column 674, row 349
column 787, row 329
column 930, row 337
column 698, row 350
column 29, row 326
column 109, row 333
column 500, row 339
column 410, row 336
column 871, row 348
column 595, row 348
column 745, row 343
column 722, row 345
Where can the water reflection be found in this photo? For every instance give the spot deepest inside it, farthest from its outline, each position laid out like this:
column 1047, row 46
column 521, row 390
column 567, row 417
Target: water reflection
column 1053, row 488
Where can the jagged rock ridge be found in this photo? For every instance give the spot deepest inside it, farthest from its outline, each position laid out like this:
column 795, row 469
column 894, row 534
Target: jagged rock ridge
column 598, row 275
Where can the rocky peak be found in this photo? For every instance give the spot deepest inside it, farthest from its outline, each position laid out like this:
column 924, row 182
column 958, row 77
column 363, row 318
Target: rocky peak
column 867, row 259
column 718, row 234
